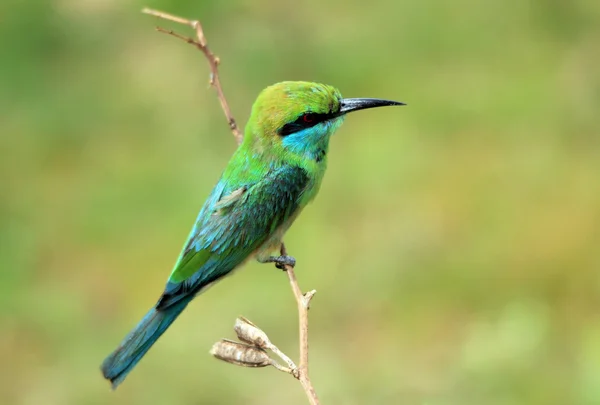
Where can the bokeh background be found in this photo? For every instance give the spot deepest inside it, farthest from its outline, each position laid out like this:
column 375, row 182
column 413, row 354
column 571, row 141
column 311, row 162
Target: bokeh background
column 455, row 244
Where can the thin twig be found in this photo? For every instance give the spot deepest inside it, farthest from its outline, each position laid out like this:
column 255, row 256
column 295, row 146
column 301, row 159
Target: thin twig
column 292, row 367
column 213, row 61
column 176, row 35
column 302, row 300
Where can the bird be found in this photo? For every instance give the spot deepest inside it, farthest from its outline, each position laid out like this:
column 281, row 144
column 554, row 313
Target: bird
column 273, row 174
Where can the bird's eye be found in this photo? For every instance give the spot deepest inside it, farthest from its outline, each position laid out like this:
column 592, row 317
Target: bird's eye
column 308, row 118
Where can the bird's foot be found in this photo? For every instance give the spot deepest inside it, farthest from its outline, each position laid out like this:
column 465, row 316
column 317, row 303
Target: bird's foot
column 282, row 261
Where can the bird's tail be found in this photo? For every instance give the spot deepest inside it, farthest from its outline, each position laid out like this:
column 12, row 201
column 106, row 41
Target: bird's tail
column 135, row 345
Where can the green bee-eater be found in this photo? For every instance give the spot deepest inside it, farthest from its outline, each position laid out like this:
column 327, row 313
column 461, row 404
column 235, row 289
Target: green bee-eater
column 271, row 177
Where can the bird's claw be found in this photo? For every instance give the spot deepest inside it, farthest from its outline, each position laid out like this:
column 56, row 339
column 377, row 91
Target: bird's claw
column 282, row 261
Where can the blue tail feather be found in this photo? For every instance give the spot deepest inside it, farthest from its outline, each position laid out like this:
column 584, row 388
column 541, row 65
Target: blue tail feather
column 135, row 345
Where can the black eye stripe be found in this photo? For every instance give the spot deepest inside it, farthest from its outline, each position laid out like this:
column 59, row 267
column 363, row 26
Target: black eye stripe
column 304, row 121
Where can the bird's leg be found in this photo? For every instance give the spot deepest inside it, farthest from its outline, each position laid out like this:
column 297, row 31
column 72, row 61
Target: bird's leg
column 280, row 261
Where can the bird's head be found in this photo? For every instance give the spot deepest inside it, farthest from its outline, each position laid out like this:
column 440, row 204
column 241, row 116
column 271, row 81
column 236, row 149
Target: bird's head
column 300, row 117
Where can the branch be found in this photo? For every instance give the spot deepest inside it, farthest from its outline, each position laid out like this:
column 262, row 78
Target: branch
column 303, row 302
column 213, row 61
column 249, row 355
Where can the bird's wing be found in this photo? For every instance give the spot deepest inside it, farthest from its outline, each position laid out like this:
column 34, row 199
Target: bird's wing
column 231, row 226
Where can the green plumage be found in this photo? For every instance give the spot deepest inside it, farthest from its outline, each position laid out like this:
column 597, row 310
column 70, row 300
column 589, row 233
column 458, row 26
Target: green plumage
column 271, row 177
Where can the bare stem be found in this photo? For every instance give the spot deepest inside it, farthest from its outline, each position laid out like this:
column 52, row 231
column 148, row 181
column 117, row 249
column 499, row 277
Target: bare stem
column 213, row 61
column 303, row 300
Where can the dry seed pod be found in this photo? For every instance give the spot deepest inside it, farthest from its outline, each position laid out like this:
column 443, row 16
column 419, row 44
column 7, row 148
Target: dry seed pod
column 250, row 333
column 240, row 354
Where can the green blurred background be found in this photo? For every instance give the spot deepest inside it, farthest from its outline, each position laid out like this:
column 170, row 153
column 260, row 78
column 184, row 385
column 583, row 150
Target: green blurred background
column 455, row 244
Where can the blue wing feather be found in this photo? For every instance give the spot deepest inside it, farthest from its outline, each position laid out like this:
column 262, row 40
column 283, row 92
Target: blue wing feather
column 222, row 239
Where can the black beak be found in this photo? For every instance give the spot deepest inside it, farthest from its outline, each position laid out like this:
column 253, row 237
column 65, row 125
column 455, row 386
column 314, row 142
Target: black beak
column 355, row 104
